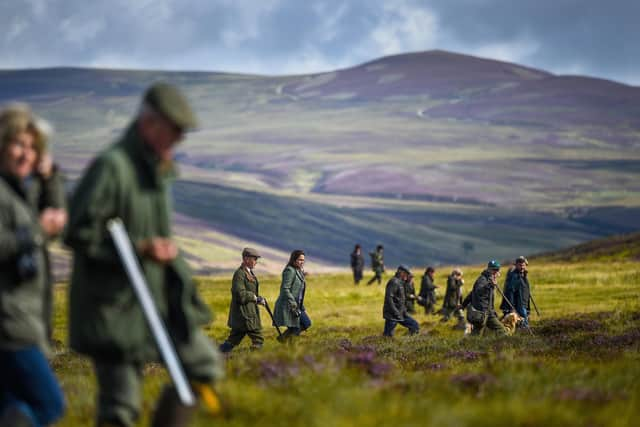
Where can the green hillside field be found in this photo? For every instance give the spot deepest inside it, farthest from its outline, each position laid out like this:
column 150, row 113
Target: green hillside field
column 581, row 367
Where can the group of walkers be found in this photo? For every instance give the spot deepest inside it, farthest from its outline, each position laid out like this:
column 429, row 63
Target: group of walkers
column 130, row 180
column 400, row 296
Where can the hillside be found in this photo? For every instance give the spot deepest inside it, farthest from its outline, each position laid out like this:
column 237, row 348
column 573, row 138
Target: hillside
column 620, row 247
column 421, row 152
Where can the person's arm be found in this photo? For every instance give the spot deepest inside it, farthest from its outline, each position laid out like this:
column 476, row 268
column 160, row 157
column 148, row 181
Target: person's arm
column 93, row 203
column 288, row 277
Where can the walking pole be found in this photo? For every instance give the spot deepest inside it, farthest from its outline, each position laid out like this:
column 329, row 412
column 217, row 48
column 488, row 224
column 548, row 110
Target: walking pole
column 512, row 307
column 534, row 305
column 125, row 250
column 273, row 322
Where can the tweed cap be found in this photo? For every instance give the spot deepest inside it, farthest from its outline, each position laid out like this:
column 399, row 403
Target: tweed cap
column 522, row 260
column 169, row 101
column 250, row 252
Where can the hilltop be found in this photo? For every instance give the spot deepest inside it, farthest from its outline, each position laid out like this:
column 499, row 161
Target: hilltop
column 428, row 153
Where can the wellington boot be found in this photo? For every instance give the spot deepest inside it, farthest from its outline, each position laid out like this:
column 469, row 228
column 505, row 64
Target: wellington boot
column 14, row 417
column 170, row 412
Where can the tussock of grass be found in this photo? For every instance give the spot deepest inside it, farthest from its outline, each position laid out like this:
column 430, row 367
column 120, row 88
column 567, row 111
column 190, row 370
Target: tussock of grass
column 580, row 368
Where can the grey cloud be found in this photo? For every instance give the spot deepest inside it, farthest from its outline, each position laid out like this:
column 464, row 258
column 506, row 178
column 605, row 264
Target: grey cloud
column 286, row 36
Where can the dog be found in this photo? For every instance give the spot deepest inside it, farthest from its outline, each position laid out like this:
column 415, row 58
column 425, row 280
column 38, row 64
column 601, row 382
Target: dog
column 510, row 321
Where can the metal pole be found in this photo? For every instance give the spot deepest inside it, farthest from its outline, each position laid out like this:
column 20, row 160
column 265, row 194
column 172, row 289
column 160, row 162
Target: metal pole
column 273, row 322
column 125, row 250
column 534, row 304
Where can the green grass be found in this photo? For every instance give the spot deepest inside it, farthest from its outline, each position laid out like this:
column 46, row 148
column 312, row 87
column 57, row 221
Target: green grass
column 580, row 369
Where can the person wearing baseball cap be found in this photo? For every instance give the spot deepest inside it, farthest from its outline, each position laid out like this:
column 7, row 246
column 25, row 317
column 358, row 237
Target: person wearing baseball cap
column 480, row 312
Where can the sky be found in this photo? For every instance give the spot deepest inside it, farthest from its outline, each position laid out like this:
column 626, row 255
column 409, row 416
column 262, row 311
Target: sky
column 598, row 38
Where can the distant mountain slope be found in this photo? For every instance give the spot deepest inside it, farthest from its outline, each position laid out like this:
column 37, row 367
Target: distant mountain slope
column 614, row 248
column 421, row 151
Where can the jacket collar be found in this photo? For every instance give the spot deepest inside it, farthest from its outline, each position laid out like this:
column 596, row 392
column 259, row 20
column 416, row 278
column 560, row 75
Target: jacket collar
column 17, row 185
column 146, row 160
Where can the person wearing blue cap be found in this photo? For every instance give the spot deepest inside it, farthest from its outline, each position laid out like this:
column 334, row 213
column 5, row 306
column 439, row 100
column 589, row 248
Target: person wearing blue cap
column 480, row 312
column 394, row 310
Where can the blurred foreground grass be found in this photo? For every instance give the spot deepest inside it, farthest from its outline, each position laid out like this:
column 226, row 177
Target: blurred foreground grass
column 582, row 367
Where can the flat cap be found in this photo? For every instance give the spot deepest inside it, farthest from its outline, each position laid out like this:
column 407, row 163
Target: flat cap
column 522, row 260
column 403, row 267
column 169, row 101
column 250, row 252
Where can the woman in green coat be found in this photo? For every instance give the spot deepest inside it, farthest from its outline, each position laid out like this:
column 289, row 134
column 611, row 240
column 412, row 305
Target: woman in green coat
column 289, row 310
column 31, row 212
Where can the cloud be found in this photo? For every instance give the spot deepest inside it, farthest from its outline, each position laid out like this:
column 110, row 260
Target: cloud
column 290, row 36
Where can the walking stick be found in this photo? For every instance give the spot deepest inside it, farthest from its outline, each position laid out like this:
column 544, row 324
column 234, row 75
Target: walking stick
column 534, row 305
column 159, row 331
column 512, row 307
column 273, row 322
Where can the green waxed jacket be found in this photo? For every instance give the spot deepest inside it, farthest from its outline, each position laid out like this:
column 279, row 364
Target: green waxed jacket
column 243, row 311
column 105, row 319
column 394, row 301
column 25, row 304
column 453, row 294
column 291, row 298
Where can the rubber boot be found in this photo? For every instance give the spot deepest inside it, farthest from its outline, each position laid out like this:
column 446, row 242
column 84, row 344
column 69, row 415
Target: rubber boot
column 14, row 417
column 170, row 412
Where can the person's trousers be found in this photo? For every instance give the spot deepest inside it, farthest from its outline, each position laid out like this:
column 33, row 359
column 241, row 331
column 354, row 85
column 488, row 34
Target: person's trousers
column 305, row 323
column 27, row 384
column 408, row 322
column 236, row 336
column 377, row 276
column 120, row 383
column 492, row 323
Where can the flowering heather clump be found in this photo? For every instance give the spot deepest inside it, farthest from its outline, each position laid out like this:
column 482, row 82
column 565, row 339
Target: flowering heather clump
column 465, row 355
column 476, row 383
column 585, row 395
column 368, row 361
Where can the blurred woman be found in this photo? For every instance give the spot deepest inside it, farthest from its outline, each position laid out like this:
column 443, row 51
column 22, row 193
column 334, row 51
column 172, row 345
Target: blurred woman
column 31, row 212
column 289, row 310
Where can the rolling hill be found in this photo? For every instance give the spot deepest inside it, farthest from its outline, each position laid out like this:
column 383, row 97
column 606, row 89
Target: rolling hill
column 421, row 152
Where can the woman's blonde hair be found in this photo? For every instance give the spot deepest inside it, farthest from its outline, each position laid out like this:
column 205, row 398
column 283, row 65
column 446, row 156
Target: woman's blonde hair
column 18, row 118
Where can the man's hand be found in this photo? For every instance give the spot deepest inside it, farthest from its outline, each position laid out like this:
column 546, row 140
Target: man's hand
column 261, row 300
column 52, row 221
column 159, row 249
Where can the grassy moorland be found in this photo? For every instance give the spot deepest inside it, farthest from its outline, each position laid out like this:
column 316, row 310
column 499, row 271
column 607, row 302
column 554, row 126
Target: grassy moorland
column 581, row 367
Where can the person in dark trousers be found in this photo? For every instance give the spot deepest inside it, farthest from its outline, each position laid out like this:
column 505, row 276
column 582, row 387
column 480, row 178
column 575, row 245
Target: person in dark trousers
column 131, row 180
column 517, row 292
column 377, row 264
column 394, row 310
column 480, row 303
column 357, row 264
column 451, row 305
column 427, row 296
column 244, row 316
column 289, row 310
column 32, row 211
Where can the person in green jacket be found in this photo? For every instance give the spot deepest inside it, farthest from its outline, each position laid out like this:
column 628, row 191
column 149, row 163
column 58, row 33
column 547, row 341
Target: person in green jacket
column 131, row 180
column 377, row 264
column 480, row 303
column 427, row 296
column 244, row 316
column 394, row 310
column 410, row 295
column 453, row 299
column 32, row 211
column 289, row 310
